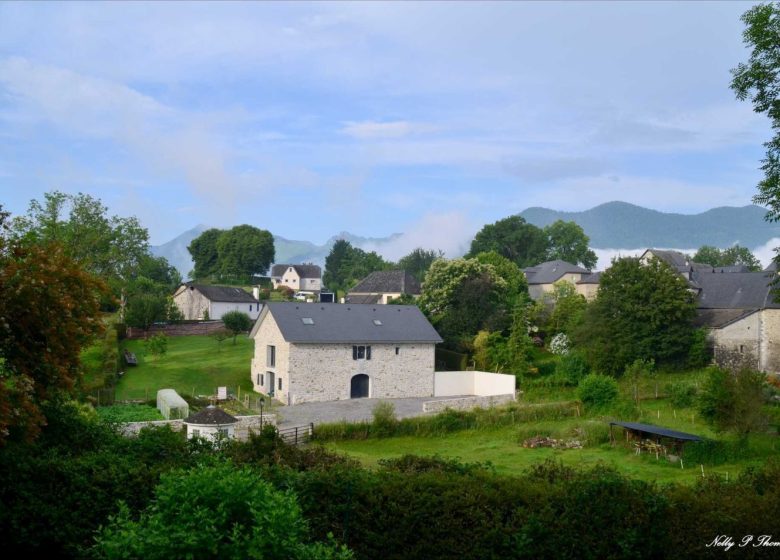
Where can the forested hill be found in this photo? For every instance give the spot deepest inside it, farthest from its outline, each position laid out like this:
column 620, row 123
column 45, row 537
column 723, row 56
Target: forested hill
column 621, row 225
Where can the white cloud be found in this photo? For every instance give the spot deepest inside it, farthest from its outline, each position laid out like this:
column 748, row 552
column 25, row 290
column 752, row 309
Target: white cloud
column 766, row 252
column 450, row 232
column 392, row 129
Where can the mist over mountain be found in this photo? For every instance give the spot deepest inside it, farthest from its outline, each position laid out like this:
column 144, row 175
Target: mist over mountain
column 614, row 225
column 621, row 225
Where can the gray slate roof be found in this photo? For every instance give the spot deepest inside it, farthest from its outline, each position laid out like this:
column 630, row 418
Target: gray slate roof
column 592, row 278
column 735, row 290
column 223, row 293
column 350, row 323
column 370, row 299
column 551, row 271
column 718, row 318
column 387, row 281
column 675, row 258
column 303, row 270
column 211, row 416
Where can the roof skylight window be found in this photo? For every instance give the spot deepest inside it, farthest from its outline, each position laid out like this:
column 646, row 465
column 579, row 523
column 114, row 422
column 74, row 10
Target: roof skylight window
column 377, row 322
column 307, row 320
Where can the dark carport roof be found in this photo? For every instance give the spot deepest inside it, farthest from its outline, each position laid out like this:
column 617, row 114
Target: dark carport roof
column 388, row 281
column 656, row 430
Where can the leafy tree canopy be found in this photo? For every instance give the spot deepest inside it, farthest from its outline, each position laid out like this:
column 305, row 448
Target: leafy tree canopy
column 346, row 265
column 567, row 242
column 232, row 255
column 733, row 400
column 732, row 256
column 419, row 261
column 522, row 243
column 463, row 296
column 640, row 312
column 236, row 322
column 758, row 79
column 107, row 246
column 204, row 254
column 49, row 310
column 214, row 512
column 516, row 284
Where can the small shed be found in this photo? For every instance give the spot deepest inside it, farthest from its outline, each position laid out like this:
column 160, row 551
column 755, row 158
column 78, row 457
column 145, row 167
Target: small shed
column 171, row 405
column 211, row 423
column 657, row 434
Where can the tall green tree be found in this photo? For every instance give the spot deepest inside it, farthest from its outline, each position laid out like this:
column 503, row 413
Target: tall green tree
column 205, row 256
column 641, row 312
column 346, row 265
column 733, row 400
column 732, row 256
column 49, row 311
column 462, row 297
column 419, row 261
column 104, row 245
column 522, row 243
column 758, row 79
column 567, row 242
column 243, row 251
column 567, row 308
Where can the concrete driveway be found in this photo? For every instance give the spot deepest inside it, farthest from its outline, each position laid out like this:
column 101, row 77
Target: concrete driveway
column 351, row 410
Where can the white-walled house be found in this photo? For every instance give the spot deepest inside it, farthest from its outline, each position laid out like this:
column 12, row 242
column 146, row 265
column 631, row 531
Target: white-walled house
column 196, row 300
column 307, row 352
column 382, row 286
column 211, row 423
column 298, row 277
column 542, row 278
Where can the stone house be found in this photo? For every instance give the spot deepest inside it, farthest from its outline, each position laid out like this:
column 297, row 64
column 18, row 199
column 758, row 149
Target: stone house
column 542, row 278
column 382, row 286
column 742, row 317
column 297, row 277
column 737, row 308
column 196, row 300
column 307, row 352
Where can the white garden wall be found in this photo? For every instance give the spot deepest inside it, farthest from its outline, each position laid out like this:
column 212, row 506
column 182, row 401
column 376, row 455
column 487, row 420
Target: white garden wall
column 479, row 383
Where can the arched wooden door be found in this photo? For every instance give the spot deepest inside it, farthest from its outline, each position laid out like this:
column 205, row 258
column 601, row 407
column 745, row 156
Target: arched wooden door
column 359, row 386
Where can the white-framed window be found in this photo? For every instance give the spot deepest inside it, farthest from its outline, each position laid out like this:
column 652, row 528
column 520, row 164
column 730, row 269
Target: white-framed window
column 223, row 432
column 195, row 433
column 361, row 352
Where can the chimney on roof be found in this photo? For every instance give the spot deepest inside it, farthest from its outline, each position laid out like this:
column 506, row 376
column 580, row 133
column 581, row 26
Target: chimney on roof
column 256, row 292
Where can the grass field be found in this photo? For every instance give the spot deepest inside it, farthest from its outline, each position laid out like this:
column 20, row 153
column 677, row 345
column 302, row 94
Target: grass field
column 193, row 365
column 502, row 446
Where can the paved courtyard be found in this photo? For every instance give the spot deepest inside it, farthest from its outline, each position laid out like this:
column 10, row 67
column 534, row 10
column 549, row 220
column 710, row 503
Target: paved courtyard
column 351, row 410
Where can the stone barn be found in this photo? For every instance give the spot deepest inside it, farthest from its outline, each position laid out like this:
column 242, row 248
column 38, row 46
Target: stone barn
column 308, row 352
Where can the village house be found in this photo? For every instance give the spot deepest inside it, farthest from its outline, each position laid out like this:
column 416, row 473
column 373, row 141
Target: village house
column 297, row 277
column 736, row 306
column 382, row 286
column 542, row 278
column 201, row 301
column 308, row 352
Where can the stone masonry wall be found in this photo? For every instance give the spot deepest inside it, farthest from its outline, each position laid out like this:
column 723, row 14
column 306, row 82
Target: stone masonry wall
column 269, row 334
column 770, row 340
column 467, row 403
column 244, row 425
column 181, row 329
column 323, row 372
column 737, row 345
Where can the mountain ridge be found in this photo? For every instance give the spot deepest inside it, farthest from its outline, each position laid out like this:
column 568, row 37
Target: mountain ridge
column 612, row 225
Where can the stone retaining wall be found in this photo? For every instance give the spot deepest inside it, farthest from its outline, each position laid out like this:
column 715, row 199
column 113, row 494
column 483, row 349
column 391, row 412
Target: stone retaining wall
column 243, row 427
column 179, row 329
column 467, row 403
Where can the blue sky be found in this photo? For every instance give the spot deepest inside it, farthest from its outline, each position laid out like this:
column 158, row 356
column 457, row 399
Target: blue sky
column 429, row 119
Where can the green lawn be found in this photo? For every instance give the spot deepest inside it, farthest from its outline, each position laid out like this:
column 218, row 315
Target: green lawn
column 502, row 446
column 193, row 365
